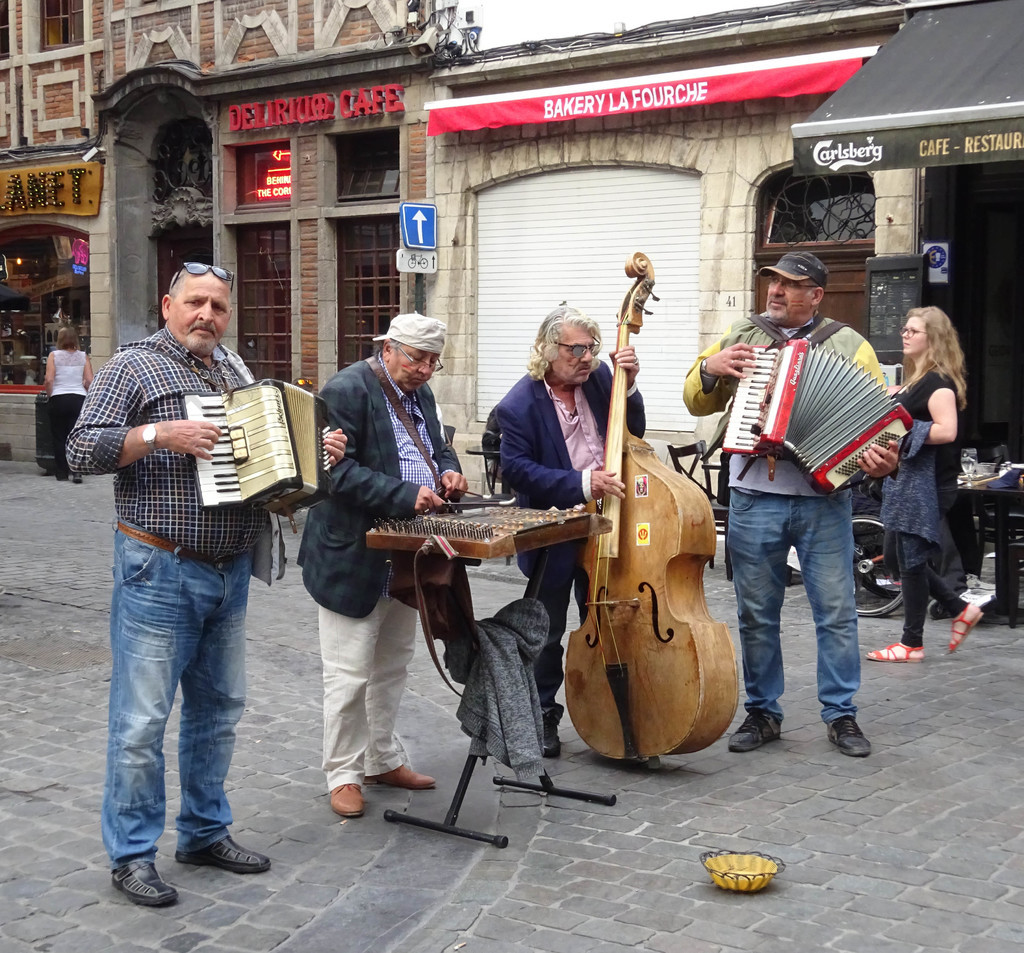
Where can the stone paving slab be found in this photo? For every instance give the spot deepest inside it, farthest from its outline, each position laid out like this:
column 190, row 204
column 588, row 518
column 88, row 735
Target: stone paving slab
column 918, row 848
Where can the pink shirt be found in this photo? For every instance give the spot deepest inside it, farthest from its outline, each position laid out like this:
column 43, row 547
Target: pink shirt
column 579, row 428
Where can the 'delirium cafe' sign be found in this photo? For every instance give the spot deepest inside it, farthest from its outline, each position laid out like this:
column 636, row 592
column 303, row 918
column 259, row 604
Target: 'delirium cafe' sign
column 959, row 144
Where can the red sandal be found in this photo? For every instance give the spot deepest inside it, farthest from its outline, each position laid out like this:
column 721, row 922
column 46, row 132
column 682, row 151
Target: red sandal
column 965, row 626
column 897, row 652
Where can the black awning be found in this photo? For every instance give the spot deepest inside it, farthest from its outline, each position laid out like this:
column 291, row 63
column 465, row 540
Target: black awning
column 12, row 301
column 947, row 89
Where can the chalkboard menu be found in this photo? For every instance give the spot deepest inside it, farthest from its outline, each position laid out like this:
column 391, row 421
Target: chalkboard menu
column 894, row 286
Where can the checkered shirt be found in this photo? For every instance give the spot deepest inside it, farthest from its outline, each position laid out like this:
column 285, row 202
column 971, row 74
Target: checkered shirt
column 144, row 383
column 413, row 467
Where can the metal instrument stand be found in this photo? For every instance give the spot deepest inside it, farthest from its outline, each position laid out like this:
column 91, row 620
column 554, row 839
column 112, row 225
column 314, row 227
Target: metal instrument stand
column 545, row 785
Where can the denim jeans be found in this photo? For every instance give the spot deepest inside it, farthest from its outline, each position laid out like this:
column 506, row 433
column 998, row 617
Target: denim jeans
column 172, row 621
column 762, row 527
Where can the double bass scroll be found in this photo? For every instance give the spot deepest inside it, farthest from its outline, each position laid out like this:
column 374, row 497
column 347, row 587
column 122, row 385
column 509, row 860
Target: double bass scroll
column 649, row 672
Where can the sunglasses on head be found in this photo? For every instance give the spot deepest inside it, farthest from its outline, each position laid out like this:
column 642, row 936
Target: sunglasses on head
column 201, row 268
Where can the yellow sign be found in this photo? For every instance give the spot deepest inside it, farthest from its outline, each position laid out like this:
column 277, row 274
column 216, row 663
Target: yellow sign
column 643, row 534
column 52, row 190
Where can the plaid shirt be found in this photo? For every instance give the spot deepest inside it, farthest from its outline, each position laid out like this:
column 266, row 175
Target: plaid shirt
column 414, row 468
column 144, row 383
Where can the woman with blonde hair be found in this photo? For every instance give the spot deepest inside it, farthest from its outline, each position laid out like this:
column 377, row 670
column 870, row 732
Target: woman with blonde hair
column 68, row 376
column 915, row 504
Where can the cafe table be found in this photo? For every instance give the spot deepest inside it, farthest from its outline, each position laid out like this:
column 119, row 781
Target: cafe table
column 1003, row 501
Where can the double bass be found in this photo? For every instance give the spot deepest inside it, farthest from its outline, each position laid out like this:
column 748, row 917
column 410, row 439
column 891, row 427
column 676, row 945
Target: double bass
column 649, row 672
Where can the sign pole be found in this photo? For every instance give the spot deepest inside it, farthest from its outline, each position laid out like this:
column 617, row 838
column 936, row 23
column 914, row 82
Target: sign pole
column 420, row 294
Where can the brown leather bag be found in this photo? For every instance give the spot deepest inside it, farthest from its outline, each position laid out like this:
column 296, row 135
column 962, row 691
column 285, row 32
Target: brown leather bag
column 438, row 588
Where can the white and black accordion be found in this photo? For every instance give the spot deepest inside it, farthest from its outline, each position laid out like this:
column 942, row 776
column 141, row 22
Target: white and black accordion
column 271, row 449
column 814, row 407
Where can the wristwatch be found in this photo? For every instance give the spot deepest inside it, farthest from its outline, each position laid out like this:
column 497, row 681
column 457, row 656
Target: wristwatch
column 704, row 368
column 149, row 436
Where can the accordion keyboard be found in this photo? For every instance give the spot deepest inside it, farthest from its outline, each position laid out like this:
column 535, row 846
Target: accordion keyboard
column 218, row 478
column 743, row 430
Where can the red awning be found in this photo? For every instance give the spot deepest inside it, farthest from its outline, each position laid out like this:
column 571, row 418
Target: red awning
column 761, row 79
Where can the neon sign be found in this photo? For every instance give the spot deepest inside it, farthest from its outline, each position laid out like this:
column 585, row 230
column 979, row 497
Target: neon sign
column 274, row 176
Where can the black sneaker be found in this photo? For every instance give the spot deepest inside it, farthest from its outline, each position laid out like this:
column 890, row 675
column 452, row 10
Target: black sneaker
column 938, row 611
column 757, row 728
column 846, row 735
column 552, row 746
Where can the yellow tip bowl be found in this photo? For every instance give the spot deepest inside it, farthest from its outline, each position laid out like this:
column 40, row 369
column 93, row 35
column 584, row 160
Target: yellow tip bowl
column 747, row 872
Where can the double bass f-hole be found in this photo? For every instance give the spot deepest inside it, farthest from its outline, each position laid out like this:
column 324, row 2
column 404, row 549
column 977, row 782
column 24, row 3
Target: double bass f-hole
column 669, row 632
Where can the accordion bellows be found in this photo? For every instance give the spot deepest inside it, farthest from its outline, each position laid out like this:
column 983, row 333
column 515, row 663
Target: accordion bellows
column 271, row 449
column 815, row 407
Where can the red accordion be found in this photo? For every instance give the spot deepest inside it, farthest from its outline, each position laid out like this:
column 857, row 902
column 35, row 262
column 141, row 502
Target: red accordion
column 815, row 407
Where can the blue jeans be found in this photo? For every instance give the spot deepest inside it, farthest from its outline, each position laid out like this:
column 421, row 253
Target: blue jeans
column 762, row 527
column 172, row 621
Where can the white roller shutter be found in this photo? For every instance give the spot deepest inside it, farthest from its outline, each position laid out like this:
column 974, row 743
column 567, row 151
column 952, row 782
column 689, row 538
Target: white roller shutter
column 565, row 236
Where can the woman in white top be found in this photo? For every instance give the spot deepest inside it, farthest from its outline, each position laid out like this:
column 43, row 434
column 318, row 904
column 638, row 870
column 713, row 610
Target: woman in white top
column 68, row 376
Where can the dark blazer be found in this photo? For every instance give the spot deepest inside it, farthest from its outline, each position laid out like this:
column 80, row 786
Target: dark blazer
column 338, row 570
column 535, row 461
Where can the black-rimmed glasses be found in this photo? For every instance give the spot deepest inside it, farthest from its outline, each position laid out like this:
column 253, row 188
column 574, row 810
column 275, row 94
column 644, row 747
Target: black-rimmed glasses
column 424, row 362
column 201, row 268
column 578, row 350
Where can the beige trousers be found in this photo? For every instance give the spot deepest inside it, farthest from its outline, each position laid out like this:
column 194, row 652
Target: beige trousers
column 365, row 666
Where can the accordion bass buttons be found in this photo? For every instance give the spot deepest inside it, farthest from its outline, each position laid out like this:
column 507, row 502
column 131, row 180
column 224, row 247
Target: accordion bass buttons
column 239, row 444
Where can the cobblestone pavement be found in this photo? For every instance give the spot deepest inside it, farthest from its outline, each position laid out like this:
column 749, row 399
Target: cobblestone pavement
column 917, row 848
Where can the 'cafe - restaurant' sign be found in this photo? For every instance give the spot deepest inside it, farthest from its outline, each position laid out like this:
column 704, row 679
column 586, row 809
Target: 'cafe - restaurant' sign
column 318, row 107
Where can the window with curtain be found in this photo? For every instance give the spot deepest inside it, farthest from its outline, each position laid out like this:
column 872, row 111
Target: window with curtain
column 62, row 22
column 265, row 300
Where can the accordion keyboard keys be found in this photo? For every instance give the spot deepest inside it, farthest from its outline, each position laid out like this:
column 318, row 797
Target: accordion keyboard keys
column 218, row 478
column 743, row 431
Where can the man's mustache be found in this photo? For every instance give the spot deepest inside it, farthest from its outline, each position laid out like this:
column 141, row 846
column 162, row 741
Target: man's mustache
column 203, row 326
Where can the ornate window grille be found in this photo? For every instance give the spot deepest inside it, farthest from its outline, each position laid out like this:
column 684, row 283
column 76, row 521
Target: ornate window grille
column 829, row 208
column 184, row 159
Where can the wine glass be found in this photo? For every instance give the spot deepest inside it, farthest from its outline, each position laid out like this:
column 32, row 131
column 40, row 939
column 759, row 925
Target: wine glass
column 968, row 461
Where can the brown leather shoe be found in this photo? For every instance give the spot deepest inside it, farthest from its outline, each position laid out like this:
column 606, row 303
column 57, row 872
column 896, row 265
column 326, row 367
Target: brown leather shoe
column 347, row 800
column 402, row 777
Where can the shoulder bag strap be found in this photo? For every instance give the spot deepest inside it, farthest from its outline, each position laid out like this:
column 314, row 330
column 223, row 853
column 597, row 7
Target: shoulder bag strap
column 428, row 634
column 403, row 415
column 770, row 329
column 824, row 332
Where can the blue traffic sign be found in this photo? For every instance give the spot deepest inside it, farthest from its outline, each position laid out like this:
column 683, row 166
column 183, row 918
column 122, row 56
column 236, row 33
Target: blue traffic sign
column 419, row 225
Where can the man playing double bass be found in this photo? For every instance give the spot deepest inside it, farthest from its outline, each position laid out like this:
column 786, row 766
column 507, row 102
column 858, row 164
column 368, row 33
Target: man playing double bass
column 553, row 426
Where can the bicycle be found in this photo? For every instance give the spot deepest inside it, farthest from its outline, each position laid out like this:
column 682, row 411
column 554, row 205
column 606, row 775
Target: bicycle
column 877, row 593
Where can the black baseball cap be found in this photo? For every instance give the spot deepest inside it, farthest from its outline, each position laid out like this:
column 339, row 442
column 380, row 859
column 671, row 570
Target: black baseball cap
column 799, row 266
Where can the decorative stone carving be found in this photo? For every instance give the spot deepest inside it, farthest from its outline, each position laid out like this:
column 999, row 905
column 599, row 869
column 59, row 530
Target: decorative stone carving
column 184, row 207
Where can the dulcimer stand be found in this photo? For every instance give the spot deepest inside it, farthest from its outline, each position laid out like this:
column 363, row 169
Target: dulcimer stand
column 545, row 785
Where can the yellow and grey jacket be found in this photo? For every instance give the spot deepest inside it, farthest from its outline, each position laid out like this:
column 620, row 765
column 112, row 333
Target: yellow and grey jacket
column 846, row 341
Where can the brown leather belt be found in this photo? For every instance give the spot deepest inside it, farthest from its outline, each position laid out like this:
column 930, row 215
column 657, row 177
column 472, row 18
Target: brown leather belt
column 150, row 540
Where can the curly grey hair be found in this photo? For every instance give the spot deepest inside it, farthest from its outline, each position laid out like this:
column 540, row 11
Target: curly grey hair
column 545, row 347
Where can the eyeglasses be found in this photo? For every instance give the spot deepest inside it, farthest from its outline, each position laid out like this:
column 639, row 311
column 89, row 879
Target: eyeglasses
column 431, row 365
column 578, row 350
column 910, row 332
column 201, row 268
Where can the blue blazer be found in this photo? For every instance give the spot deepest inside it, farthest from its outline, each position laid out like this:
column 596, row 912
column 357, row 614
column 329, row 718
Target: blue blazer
column 535, row 461
column 338, row 569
